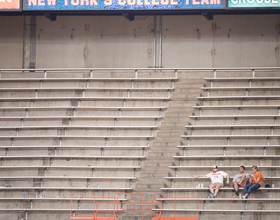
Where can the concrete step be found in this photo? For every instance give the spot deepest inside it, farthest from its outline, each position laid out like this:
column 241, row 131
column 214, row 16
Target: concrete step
column 190, row 96
column 163, row 150
column 175, row 115
column 168, row 144
column 173, row 125
column 150, row 186
column 169, row 136
column 176, row 119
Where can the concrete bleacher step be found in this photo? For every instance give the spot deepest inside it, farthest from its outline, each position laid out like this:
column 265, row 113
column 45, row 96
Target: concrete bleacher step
column 203, row 178
column 202, row 127
column 228, row 146
column 65, row 177
column 79, row 127
column 66, row 188
column 211, row 204
column 237, row 110
column 98, row 102
column 87, row 79
column 52, row 210
column 222, row 210
column 231, row 136
column 73, row 147
column 221, row 189
column 227, row 98
column 220, row 79
column 82, row 117
column 85, row 89
column 116, row 108
column 88, row 72
column 76, row 136
column 33, row 99
column 81, row 120
column 70, row 172
column 221, row 117
column 226, row 156
column 187, row 182
column 70, row 130
column 252, row 107
column 267, row 92
column 259, row 88
column 218, row 199
column 84, row 93
column 70, row 156
column 64, row 199
column 221, row 167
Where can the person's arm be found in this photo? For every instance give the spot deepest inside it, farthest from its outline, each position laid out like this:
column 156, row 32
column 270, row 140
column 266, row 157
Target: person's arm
column 255, row 179
column 242, row 179
column 250, row 179
column 195, row 176
column 259, row 176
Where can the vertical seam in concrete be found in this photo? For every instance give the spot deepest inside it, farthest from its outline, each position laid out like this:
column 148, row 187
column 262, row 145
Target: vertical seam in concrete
column 155, row 41
column 213, row 46
column 160, row 43
column 32, row 61
column 23, row 42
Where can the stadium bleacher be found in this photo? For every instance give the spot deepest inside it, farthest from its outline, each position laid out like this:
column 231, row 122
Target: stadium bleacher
column 69, row 133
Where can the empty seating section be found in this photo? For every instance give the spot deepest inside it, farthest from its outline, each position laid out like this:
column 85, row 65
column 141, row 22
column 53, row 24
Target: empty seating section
column 235, row 122
column 75, row 132
column 87, row 132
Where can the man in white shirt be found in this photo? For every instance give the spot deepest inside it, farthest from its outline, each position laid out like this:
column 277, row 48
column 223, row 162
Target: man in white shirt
column 217, row 180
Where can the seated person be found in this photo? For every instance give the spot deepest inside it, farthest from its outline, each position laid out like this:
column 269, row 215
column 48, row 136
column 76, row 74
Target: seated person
column 217, row 180
column 240, row 179
column 255, row 182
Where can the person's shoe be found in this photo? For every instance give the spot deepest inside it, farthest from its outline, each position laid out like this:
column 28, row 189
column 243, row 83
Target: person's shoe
column 236, row 193
column 244, row 197
column 212, row 196
column 215, row 195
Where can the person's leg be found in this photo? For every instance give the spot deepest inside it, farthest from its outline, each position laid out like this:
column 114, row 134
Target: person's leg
column 211, row 187
column 253, row 187
column 218, row 186
column 235, row 186
column 243, row 180
column 217, row 189
column 246, row 189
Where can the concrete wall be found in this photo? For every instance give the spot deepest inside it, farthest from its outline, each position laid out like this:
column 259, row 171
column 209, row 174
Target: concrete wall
column 11, row 42
column 187, row 41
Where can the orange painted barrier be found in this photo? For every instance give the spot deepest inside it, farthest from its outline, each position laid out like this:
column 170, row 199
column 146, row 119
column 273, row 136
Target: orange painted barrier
column 94, row 211
column 175, row 217
column 97, row 213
